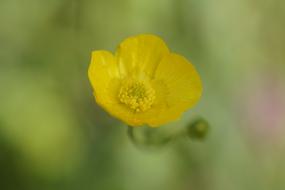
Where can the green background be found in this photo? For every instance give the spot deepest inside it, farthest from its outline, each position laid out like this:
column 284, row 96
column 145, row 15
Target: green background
column 53, row 136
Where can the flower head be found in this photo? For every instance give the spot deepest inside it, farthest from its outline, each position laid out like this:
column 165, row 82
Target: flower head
column 144, row 83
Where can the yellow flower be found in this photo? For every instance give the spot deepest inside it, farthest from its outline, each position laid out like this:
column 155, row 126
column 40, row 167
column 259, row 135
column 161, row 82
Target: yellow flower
column 144, row 83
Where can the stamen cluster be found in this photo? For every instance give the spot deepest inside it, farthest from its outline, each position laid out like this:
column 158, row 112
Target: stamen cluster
column 137, row 95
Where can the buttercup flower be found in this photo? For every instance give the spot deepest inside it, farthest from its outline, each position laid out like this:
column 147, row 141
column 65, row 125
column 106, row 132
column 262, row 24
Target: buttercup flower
column 144, row 83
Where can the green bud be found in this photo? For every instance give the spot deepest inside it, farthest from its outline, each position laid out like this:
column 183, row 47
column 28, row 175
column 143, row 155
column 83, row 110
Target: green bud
column 198, row 129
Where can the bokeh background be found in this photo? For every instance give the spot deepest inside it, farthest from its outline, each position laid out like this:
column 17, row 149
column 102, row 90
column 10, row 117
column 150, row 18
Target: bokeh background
column 53, row 136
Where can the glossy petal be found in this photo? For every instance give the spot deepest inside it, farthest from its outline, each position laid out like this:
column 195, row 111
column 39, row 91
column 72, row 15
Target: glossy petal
column 106, row 80
column 181, row 87
column 102, row 71
column 140, row 55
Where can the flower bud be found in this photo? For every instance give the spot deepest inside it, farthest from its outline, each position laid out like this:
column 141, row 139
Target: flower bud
column 198, row 129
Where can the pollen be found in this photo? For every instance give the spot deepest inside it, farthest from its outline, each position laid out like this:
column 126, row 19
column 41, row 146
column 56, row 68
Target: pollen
column 138, row 96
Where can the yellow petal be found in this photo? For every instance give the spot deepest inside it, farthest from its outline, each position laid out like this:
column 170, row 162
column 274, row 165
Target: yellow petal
column 140, row 55
column 111, row 104
column 180, row 86
column 102, row 70
column 105, row 79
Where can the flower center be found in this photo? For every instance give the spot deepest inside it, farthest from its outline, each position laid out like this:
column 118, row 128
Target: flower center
column 137, row 95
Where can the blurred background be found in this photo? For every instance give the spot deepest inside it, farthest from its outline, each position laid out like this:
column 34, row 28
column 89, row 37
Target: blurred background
column 53, row 136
